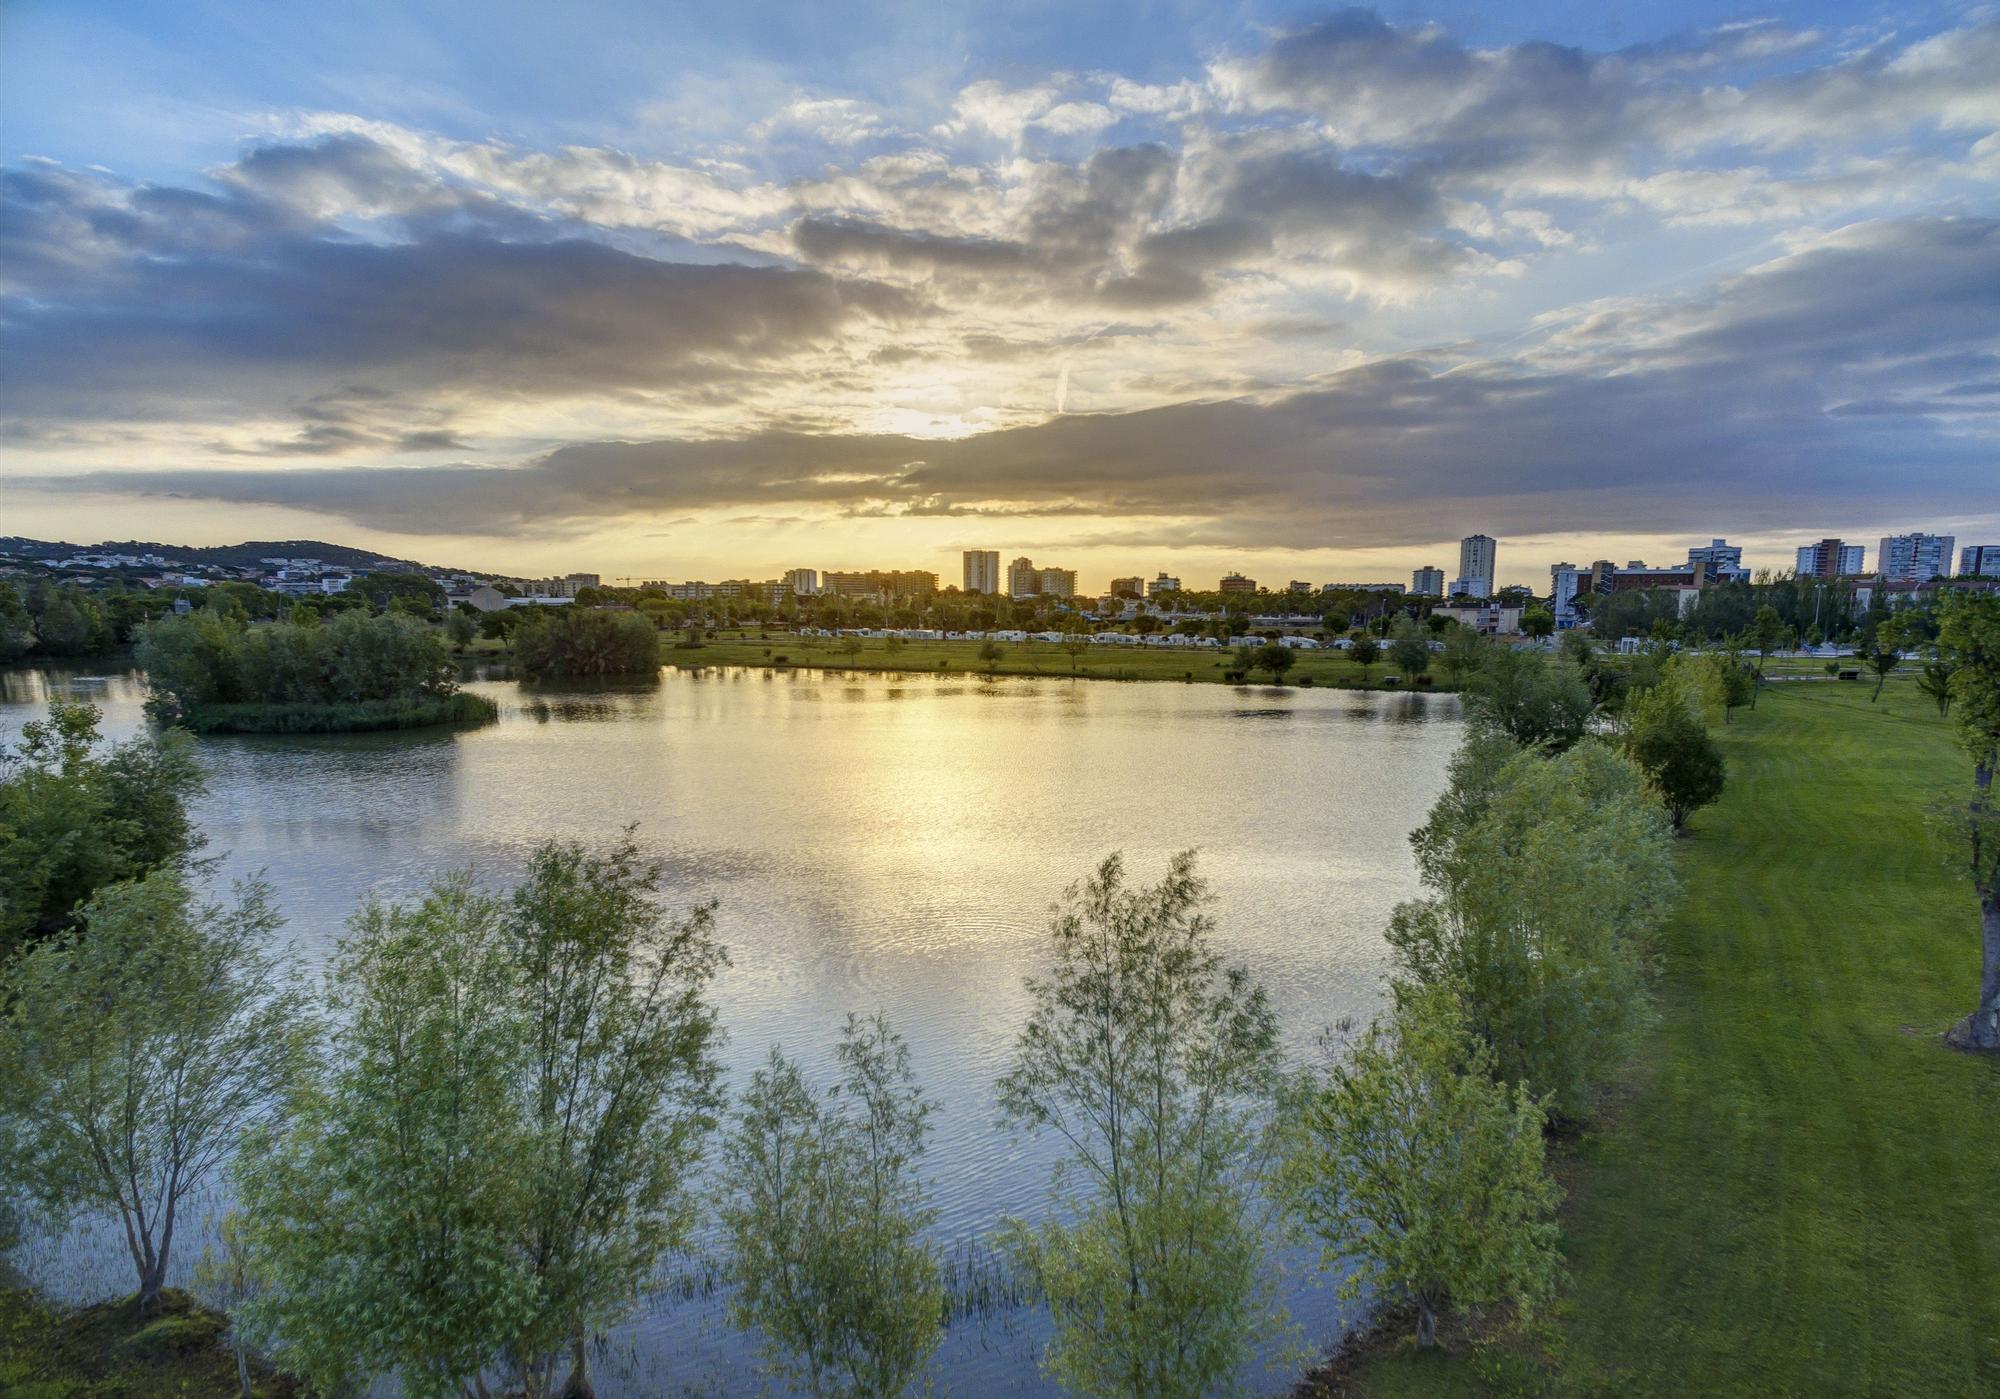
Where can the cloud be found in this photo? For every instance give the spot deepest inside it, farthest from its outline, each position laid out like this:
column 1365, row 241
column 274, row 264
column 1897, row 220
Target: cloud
column 1633, row 417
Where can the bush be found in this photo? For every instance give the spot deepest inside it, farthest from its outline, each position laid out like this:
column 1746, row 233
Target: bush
column 363, row 716
column 205, row 660
column 174, row 1335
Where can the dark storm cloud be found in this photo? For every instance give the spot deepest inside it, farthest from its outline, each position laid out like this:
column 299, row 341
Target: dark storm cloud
column 1638, row 417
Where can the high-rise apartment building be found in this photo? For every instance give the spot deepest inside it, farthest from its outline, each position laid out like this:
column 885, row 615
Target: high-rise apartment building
column 1165, row 583
column 1830, row 558
column 1023, row 579
column 982, row 571
column 1236, row 583
column 1565, row 579
column 1055, row 582
column 1477, row 554
column 1427, row 582
column 804, row 582
column 1979, row 561
column 1724, row 560
column 1128, row 587
column 1914, row 558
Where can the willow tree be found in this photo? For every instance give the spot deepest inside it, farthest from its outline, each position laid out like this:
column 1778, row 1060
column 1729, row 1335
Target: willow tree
column 621, row 1089
column 1155, row 1064
column 137, row 1050
column 1410, row 1163
column 824, row 1209
column 1970, row 641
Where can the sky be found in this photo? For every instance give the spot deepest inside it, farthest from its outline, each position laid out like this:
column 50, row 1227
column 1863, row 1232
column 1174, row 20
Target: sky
column 714, row 290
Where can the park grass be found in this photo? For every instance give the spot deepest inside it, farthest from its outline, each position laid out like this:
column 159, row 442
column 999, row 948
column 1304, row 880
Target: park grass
column 1327, row 668
column 1797, row 1191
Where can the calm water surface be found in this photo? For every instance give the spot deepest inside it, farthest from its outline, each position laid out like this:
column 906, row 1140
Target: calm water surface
column 875, row 842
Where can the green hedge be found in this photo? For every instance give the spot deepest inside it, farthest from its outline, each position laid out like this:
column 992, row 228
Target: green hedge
column 357, row 716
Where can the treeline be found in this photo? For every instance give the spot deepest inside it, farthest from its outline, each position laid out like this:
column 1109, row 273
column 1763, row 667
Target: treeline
column 60, row 620
column 460, row 1156
column 212, row 672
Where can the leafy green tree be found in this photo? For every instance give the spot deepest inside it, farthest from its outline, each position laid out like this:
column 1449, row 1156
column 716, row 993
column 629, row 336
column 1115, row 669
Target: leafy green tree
column 1669, row 742
column 1549, row 879
column 565, row 643
column 824, row 1210
column 1535, row 702
column 621, row 1089
column 1538, row 622
column 991, row 653
column 1409, row 649
column 17, row 628
column 68, row 621
column 1765, row 629
column 1969, row 641
column 1275, row 657
column 1464, row 652
column 226, row 1278
column 1414, row 1165
column 74, row 818
column 460, row 627
column 385, row 1203
column 1155, row 1064
column 135, row 1053
column 1364, row 652
column 1882, row 658
column 1935, row 685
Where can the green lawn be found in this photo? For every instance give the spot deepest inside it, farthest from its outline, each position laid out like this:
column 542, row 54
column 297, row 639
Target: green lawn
column 1026, row 658
column 1800, row 1191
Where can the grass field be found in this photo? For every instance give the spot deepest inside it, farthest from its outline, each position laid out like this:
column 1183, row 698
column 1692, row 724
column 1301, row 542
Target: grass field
column 1799, row 1192
column 1029, row 658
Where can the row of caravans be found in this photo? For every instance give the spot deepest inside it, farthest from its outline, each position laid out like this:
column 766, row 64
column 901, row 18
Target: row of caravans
column 1103, row 638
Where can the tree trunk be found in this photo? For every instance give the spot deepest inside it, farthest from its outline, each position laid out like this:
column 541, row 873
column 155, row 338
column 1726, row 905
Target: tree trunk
column 243, row 1373
column 578, row 1385
column 1981, row 1029
column 152, row 1282
column 1427, row 1322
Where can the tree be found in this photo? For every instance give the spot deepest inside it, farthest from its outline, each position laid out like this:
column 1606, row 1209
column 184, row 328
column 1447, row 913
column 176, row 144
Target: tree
column 1549, row 879
column 385, row 1203
column 137, row 1050
column 1765, row 629
column 1464, row 652
column 74, row 819
column 1882, row 658
column 1414, row 1165
column 824, row 1212
column 1532, row 700
column 1155, row 1065
column 621, row 1088
column 1538, row 622
column 1969, row 640
column 1409, row 651
column 1935, row 685
column 1364, row 652
column 460, row 627
column 991, row 653
column 17, row 628
column 1668, row 740
column 226, row 1277
column 565, row 643
column 1276, row 658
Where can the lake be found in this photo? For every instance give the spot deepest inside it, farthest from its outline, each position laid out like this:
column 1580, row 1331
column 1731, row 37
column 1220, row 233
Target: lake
column 888, row 842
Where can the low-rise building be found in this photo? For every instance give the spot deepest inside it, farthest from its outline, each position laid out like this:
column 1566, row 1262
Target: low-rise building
column 1488, row 619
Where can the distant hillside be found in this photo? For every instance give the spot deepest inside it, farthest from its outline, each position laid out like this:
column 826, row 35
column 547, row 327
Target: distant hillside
column 243, row 555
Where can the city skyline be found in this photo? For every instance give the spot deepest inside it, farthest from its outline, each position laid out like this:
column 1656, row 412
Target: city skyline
column 1282, row 291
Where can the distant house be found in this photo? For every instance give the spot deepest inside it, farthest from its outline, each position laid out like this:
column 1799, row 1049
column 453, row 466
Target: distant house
column 485, row 597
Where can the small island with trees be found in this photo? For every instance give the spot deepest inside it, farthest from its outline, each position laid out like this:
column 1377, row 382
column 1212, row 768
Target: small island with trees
column 214, row 673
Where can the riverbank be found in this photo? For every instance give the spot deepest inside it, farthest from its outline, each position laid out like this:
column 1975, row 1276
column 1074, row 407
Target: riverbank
column 110, row 1352
column 1796, row 1192
column 1186, row 665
